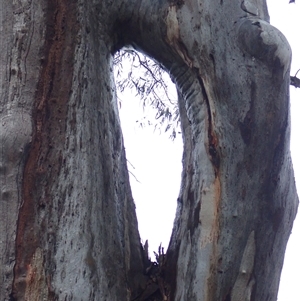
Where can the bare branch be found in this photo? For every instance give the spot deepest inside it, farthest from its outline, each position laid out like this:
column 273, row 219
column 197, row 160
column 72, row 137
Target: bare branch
column 295, row 81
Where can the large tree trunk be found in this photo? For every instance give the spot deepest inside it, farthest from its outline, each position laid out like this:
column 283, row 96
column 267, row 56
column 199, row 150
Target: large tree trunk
column 68, row 229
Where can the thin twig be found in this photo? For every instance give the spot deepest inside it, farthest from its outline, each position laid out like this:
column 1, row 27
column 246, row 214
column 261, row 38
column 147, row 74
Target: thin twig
column 134, row 176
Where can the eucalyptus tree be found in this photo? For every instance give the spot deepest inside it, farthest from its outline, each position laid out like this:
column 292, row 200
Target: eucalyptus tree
column 68, row 229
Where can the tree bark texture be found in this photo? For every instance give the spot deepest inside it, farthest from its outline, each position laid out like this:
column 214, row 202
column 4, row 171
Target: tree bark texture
column 68, row 229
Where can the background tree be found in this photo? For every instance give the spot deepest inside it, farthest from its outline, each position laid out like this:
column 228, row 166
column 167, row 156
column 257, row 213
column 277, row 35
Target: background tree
column 68, row 226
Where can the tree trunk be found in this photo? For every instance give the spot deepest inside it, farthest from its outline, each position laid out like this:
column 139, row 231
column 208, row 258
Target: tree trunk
column 68, row 229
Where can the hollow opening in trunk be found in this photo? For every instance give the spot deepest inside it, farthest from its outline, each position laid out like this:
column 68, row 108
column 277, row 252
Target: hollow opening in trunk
column 149, row 115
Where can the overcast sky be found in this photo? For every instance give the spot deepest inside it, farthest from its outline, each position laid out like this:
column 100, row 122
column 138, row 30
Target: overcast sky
column 157, row 165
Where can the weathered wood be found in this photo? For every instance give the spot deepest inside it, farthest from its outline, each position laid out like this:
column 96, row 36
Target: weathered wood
column 68, row 229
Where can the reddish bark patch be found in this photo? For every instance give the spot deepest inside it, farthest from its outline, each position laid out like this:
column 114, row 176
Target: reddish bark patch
column 213, row 143
column 44, row 158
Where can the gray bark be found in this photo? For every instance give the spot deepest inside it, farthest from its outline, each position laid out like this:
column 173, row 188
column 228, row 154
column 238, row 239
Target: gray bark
column 68, row 229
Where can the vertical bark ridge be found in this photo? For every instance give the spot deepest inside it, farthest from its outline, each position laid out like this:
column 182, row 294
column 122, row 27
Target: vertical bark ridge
column 20, row 45
column 31, row 271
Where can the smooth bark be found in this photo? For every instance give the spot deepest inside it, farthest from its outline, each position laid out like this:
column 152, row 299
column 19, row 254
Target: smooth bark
column 68, row 229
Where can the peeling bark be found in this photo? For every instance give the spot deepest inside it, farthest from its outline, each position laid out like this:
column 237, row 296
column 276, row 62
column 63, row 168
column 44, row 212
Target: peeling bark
column 68, row 228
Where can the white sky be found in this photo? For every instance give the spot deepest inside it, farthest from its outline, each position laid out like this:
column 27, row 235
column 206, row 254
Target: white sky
column 157, row 161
